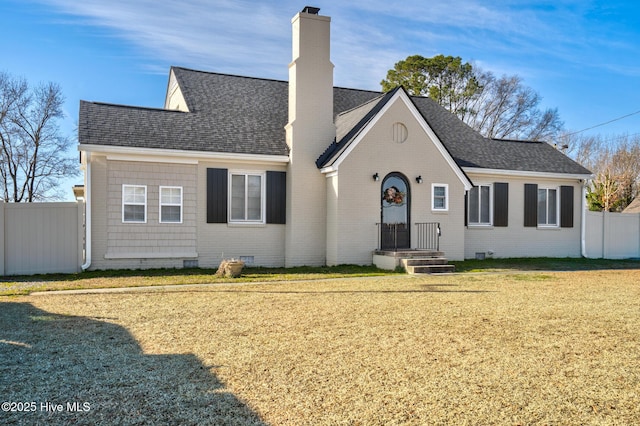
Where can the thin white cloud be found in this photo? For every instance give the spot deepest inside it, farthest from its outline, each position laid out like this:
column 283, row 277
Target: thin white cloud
column 224, row 35
column 368, row 36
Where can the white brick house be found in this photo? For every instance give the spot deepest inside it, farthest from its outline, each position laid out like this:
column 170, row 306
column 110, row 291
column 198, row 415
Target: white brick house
column 304, row 173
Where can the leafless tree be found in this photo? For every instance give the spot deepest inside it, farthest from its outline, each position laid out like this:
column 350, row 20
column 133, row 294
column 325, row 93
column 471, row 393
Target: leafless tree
column 615, row 162
column 32, row 151
column 507, row 109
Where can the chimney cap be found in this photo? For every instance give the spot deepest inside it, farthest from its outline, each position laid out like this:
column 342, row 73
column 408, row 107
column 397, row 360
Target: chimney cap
column 311, row 10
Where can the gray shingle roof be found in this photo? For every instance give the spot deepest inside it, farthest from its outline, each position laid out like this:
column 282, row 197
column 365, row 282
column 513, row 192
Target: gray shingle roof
column 244, row 115
column 470, row 149
column 349, row 124
column 633, row 207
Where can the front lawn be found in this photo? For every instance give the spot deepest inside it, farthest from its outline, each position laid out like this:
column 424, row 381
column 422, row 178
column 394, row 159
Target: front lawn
column 515, row 348
column 161, row 277
column 543, row 264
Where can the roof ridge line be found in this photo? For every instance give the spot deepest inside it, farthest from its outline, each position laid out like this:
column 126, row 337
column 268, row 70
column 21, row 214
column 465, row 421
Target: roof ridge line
column 228, row 75
column 267, row 79
column 515, row 140
column 133, row 107
column 376, row 99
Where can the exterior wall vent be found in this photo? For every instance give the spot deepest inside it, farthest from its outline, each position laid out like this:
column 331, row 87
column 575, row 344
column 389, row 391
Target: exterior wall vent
column 400, row 132
column 190, row 263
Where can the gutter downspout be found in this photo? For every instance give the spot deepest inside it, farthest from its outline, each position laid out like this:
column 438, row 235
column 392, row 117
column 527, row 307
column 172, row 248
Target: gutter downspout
column 87, row 215
column 583, row 222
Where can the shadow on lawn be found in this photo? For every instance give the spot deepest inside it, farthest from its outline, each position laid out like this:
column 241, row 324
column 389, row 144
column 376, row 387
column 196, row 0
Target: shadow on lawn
column 98, row 373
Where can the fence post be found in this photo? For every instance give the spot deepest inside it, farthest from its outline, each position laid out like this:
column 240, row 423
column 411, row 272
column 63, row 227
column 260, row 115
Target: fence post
column 638, row 230
column 605, row 231
column 2, row 245
column 80, row 228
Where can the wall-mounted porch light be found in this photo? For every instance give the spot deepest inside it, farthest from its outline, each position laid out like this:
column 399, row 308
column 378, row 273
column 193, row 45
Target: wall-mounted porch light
column 419, row 179
column 376, row 177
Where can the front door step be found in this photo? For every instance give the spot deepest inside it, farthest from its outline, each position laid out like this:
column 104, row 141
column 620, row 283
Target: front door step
column 414, row 261
column 427, row 265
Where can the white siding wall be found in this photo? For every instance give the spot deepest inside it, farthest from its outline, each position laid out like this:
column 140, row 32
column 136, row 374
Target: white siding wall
column 141, row 245
column 152, row 245
column 516, row 240
column 333, row 239
column 217, row 241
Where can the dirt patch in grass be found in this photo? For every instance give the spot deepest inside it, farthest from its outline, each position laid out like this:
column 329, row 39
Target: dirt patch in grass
column 529, row 348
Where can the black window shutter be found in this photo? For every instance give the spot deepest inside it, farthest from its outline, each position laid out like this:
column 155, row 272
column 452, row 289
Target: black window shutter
column 530, row 204
column 566, row 206
column 217, row 195
column 466, row 208
column 276, row 197
column 500, row 204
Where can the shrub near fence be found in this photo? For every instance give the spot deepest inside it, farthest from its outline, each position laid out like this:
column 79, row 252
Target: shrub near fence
column 612, row 235
column 40, row 238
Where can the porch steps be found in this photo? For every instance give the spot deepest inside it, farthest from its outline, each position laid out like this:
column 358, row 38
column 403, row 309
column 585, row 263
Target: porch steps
column 421, row 261
column 427, row 265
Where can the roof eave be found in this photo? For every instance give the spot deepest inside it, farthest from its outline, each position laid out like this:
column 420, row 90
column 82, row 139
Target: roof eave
column 527, row 173
column 178, row 155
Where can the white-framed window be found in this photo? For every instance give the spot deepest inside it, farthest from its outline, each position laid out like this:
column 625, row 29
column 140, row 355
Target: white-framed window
column 479, row 205
column 440, row 197
column 134, row 203
column 170, row 204
column 548, row 206
column 246, row 197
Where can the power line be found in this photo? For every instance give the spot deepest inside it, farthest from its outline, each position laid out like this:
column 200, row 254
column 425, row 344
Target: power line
column 604, row 124
column 621, row 137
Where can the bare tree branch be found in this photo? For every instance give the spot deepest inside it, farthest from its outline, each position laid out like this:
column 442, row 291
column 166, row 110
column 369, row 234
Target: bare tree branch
column 499, row 108
column 33, row 149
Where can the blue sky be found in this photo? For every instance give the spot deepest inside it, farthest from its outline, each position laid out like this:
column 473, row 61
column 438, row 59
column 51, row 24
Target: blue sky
column 582, row 57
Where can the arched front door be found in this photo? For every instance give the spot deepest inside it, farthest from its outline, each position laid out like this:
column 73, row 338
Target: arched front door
column 395, row 212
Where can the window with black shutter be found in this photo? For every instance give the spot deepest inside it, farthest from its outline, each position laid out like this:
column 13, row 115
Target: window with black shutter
column 500, row 204
column 530, row 205
column 566, row 206
column 217, row 187
column 244, row 198
column 276, row 197
column 540, row 206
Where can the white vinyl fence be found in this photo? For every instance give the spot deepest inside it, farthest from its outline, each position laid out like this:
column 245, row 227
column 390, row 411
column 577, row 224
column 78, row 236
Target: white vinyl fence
column 612, row 235
column 40, row 238
column 48, row 237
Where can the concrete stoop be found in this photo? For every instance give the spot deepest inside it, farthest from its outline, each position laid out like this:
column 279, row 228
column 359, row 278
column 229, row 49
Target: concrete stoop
column 413, row 261
column 427, row 265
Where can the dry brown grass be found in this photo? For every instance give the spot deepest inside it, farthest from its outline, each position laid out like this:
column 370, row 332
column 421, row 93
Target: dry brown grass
column 528, row 348
column 12, row 286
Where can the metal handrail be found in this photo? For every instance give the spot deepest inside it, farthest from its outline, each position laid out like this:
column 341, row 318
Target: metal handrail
column 427, row 236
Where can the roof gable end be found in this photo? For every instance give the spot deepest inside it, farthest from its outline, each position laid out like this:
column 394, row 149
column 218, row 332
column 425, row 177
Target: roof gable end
column 339, row 150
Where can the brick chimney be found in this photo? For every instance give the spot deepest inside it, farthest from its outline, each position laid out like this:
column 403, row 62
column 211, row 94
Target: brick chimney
column 309, row 131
